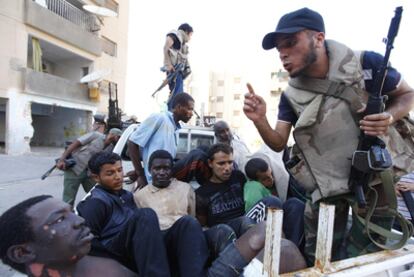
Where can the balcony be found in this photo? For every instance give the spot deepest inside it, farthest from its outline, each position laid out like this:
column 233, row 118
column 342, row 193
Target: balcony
column 63, row 20
column 46, row 85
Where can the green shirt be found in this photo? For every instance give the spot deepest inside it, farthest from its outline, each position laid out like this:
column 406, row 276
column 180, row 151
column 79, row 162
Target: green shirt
column 253, row 192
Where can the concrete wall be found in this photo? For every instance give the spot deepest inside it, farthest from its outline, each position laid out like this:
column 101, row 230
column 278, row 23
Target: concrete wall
column 2, row 127
column 18, row 123
column 55, row 87
column 53, row 24
column 13, row 52
column 70, row 69
column 55, row 125
column 115, row 29
column 20, row 19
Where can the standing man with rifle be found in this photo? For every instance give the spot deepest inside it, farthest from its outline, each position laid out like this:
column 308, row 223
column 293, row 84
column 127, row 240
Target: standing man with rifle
column 176, row 63
column 325, row 103
column 82, row 149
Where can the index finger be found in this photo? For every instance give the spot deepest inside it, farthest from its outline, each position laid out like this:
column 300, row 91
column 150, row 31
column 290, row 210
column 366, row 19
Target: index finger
column 250, row 88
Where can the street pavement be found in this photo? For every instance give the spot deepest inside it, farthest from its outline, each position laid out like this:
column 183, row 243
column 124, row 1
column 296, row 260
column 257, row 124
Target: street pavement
column 20, row 179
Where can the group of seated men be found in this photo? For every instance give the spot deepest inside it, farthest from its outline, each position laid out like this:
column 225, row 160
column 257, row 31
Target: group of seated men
column 163, row 229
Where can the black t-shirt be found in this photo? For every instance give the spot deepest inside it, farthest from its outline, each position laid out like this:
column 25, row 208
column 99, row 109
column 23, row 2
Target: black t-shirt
column 221, row 202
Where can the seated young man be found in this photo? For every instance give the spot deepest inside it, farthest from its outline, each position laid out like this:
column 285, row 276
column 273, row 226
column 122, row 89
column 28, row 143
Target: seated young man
column 122, row 231
column 220, row 198
column 42, row 237
column 262, row 186
column 174, row 203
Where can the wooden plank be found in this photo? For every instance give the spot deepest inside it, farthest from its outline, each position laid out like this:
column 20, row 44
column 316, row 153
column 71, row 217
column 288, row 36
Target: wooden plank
column 272, row 244
column 325, row 237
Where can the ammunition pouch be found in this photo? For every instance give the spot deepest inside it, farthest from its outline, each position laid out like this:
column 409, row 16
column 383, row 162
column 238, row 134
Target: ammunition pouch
column 300, row 171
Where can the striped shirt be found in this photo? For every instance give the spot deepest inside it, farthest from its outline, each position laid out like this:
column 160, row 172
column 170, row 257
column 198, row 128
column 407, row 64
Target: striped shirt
column 402, row 208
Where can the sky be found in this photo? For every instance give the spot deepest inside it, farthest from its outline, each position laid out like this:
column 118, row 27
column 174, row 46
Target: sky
column 228, row 34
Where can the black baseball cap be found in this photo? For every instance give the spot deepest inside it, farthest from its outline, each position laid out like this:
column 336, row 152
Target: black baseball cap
column 293, row 22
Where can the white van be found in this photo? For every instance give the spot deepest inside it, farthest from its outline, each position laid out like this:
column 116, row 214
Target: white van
column 188, row 137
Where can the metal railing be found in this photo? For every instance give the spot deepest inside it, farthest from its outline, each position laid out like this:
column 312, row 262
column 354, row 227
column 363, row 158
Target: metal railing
column 73, row 14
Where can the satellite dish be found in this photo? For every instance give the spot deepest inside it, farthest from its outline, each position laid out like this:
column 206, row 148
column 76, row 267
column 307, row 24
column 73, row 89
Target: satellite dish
column 41, row 3
column 95, row 76
column 101, row 11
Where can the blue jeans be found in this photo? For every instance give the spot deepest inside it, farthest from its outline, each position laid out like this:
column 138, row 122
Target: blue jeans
column 176, row 86
column 139, row 245
column 186, row 247
column 293, row 209
column 230, row 263
column 188, row 254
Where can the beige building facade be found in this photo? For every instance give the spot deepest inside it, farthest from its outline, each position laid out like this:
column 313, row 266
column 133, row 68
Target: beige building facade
column 226, row 96
column 48, row 46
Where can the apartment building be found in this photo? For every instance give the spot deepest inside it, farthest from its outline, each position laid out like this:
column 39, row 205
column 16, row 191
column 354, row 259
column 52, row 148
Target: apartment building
column 47, row 47
column 226, row 96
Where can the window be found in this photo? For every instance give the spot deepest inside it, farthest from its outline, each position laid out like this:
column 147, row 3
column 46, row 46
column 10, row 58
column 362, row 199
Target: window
column 237, row 96
column 85, row 71
column 237, row 80
column 220, row 99
column 109, row 47
column 182, row 143
column 220, row 83
column 185, row 145
column 236, row 113
column 219, row 115
column 199, row 140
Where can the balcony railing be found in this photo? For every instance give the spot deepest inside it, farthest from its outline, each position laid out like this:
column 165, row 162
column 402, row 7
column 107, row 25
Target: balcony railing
column 68, row 11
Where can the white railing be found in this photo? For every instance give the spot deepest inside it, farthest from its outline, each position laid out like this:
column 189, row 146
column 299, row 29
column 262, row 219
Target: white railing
column 73, row 14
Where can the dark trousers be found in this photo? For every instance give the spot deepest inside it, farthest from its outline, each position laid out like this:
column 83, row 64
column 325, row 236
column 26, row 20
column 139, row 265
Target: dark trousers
column 293, row 209
column 176, row 86
column 186, row 248
column 140, row 245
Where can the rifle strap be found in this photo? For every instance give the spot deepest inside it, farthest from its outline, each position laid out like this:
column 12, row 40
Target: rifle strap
column 387, row 180
column 406, row 226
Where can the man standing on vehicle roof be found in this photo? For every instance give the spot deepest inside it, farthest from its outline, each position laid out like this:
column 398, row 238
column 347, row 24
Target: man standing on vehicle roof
column 176, row 60
column 326, row 128
column 157, row 132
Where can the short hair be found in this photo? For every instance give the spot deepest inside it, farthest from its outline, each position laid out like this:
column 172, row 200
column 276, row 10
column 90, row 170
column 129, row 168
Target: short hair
column 219, row 147
column 219, row 125
column 99, row 159
column 186, row 28
column 255, row 165
column 160, row 154
column 16, row 228
column 182, row 99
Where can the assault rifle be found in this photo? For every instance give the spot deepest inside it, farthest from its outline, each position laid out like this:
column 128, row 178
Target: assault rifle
column 177, row 68
column 114, row 112
column 371, row 155
column 70, row 162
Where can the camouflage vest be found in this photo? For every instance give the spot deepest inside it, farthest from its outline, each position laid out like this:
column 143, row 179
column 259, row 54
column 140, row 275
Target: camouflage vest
column 179, row 54
column 327, row 130
column 326, row 133
column 400, row 144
